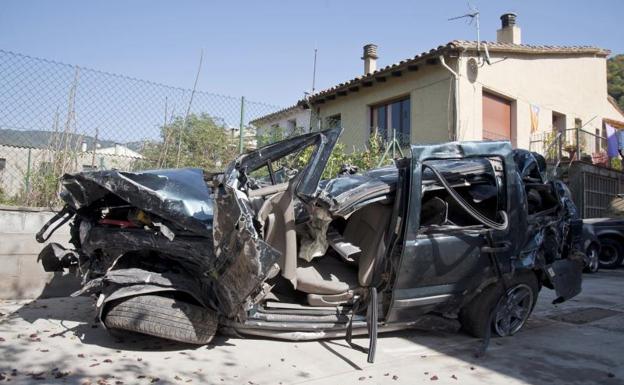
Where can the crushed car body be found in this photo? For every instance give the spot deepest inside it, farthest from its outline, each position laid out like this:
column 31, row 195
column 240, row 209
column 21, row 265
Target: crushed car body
column 462, row 232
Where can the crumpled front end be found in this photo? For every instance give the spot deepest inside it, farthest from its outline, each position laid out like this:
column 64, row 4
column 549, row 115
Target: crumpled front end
column 147, row 225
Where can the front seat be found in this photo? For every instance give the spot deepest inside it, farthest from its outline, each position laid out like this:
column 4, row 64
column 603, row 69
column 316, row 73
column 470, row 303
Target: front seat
column 330, row 281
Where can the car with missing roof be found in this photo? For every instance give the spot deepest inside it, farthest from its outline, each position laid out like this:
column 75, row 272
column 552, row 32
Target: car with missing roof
column 461, row 232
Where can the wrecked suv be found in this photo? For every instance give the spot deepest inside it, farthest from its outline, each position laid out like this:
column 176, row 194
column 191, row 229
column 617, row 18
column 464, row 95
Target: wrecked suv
column 466, row 233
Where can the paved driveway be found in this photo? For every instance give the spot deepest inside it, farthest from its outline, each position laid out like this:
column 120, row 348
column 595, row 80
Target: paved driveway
column 578, row 342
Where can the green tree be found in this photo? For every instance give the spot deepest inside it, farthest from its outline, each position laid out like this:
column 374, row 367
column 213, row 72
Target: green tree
column 615, row 78
column 198, row 142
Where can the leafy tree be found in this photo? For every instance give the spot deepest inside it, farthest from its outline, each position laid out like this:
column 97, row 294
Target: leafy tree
column 615, row 78
column 200, row 142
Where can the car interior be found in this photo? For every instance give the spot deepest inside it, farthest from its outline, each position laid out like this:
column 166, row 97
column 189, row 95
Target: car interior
column 356, row 243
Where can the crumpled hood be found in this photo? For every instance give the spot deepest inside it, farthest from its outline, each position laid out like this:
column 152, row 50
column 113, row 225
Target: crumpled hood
column 180, row 196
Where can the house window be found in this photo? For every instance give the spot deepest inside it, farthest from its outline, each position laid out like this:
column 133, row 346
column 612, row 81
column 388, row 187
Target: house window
column 2, row 164
column 392, row 116
column 334, row 121
column 558, row 122
column 291, row 126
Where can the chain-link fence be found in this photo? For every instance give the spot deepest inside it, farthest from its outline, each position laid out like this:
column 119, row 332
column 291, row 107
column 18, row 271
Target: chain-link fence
column 57, row 118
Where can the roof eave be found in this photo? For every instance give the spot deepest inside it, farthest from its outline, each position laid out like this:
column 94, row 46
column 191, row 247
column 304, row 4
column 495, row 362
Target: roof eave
column 381, row 75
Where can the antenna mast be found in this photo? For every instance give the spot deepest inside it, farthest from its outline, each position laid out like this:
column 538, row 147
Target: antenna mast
column 314, row 72
column 473, row 15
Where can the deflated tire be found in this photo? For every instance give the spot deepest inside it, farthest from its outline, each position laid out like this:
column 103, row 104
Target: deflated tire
column 163, row 317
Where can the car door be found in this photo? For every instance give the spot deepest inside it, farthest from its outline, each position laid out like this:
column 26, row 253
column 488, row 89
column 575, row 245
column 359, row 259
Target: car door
column 441, row 262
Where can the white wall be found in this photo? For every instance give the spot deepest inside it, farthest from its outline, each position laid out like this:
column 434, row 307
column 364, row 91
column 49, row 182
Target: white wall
column 299, row 116
column 12, row 178
column 573, row 86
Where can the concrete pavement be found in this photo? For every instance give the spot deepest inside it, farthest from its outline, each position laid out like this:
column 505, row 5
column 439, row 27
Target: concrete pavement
column 579, row 342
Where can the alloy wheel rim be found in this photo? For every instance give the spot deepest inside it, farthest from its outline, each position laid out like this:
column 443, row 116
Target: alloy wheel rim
column 513, row 310
column 593, row 260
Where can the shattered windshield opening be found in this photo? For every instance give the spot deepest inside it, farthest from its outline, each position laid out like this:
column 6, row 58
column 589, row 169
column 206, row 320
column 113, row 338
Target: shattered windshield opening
column 280, row 170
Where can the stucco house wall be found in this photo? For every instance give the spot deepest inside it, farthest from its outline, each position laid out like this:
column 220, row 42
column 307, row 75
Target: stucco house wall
column 284, row 119
column 428, row 89
column 574, row 86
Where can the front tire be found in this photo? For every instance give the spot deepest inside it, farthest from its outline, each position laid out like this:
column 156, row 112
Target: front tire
column 611, row 253
column 503, row 314
column 163, row 317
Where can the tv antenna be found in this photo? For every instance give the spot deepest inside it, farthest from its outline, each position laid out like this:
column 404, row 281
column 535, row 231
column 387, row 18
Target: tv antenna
column 314, row 71
column 473, row 17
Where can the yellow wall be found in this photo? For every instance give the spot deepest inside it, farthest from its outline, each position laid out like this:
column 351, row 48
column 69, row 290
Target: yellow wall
column 428, row 89
column 571, row 85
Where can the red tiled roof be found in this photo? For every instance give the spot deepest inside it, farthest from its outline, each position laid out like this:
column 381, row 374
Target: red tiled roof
column 457, row 46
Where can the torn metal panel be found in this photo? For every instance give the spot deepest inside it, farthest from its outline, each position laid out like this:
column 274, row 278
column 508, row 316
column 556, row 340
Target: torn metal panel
column 248, row 259
column 180, row 196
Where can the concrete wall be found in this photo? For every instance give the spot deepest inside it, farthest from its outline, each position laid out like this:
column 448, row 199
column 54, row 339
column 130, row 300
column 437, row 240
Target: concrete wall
column 21, row 276
column 571, row 85
column 428, row 89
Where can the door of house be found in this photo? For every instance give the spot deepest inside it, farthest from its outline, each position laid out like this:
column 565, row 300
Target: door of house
column 496, row 117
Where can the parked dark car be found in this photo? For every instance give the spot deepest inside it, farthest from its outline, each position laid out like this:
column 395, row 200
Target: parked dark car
column 610, row 233
column 468, row 231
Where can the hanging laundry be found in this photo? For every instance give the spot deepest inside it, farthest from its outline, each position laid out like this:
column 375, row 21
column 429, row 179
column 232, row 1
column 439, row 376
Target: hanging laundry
column 535, row 110
column 612, row 141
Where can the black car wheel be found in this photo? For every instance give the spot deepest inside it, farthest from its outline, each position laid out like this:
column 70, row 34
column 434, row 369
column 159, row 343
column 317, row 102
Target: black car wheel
column 163, row 317
column 504, row 313
column 592, row 258
column 611, row 253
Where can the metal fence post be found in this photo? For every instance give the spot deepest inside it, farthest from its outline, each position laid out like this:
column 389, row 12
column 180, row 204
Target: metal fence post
column 27, row 181
column 241, row 131
column 578, row 143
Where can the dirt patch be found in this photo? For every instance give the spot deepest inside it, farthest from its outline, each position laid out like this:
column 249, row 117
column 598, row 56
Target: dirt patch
column 584, row 315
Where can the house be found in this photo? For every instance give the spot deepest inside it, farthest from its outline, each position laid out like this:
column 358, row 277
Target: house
column 469, row 90
column 23, row 153
column 286, row 122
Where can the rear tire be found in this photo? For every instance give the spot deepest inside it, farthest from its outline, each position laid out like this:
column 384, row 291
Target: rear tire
column 611, row 253
column 475, row 317
column 163, row 317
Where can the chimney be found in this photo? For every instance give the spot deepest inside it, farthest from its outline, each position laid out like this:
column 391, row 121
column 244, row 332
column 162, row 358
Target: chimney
column 370, row 58
column 509, row 32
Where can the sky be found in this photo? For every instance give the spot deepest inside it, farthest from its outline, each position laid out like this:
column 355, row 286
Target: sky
column 263, row 50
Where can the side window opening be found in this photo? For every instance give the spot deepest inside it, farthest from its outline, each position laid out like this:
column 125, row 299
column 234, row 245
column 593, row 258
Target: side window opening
column 477, row 181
